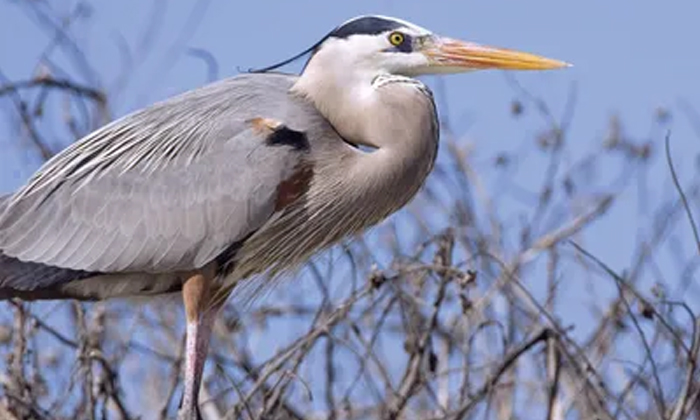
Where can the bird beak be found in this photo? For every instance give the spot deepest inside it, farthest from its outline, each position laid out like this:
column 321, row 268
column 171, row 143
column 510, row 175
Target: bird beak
column 453, row 56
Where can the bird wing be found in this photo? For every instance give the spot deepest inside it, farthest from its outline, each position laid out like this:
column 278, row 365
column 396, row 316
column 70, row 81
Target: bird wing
column 164, row 189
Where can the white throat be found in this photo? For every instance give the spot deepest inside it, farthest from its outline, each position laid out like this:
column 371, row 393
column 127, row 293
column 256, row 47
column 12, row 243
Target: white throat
column 340, row 87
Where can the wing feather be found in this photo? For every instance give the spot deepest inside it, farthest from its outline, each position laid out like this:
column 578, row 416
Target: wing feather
column 167, row 188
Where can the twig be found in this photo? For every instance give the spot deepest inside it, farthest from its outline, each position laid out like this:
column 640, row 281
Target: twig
column 509, row 360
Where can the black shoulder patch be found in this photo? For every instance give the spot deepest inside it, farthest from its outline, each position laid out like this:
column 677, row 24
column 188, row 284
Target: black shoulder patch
column 367, row 25
column 285, row 136
column 278, row 134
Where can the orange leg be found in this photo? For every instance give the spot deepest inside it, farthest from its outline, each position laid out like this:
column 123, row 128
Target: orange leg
column 196, row 293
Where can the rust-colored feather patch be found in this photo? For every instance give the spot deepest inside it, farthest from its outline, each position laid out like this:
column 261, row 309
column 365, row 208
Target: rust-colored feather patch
column 265, row 126
column 292, row 188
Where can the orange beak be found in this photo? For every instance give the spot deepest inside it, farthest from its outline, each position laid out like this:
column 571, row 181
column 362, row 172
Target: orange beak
column 454, row 56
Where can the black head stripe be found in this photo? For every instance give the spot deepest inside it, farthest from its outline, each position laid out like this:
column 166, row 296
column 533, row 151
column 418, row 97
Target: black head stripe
column 367, row 25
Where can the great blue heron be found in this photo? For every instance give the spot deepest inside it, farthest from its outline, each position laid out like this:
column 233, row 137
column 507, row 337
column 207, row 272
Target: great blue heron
column 249, row 175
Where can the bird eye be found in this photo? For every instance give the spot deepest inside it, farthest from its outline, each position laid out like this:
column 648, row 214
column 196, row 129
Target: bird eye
column 396, row 38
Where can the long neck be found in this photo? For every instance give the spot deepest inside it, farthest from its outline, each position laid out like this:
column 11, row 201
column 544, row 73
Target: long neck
column 393, row 114
column 341, row 96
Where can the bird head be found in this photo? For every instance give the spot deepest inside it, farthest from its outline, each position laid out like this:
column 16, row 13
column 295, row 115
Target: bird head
column 383, row 44
column 377, row 44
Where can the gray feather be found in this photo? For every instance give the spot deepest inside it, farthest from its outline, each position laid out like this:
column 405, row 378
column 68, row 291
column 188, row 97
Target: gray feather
column 17, row 275
column 167, row 188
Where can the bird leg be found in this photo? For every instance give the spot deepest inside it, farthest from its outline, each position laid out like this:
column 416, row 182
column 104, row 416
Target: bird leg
column 201, row 314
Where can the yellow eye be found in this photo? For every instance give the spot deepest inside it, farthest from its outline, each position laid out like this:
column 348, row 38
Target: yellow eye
column 396, row 38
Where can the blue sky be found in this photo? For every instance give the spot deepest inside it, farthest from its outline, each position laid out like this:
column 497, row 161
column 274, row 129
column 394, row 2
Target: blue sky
column 630, row 58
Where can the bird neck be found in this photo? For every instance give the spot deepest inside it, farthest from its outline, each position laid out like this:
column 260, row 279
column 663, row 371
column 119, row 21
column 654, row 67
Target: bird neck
column 399, row 120
column 395, row 115
column 342, row 97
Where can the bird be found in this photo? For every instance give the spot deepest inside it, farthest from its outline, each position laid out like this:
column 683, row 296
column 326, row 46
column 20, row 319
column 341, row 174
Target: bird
column 247, row 177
